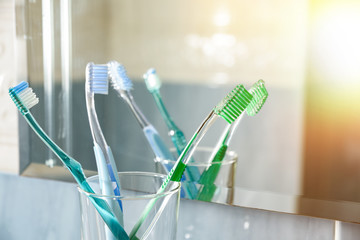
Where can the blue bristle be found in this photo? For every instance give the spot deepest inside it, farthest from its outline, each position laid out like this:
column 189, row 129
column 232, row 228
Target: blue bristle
column 126, row 81
column 119, row 79
column 20, row 87
column 23, row 97
column 98, row 78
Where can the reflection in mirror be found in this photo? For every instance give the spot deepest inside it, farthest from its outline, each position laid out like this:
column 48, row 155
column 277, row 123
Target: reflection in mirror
column 297, row 155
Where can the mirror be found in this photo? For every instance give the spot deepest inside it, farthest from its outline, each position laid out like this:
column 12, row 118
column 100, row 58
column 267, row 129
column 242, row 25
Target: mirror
column 298, row 155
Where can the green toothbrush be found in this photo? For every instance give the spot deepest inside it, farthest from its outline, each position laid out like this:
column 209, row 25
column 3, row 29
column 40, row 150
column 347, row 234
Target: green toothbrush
column 153, row 84
column 207, row 189
column 24, row 99
column 230, row 108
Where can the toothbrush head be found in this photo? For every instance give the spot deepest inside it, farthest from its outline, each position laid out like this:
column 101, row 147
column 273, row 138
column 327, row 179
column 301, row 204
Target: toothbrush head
column 260, row 94
column 233, row 104
column 119, row 79
column 23, row 97
column 97, row 78
column 153, row 83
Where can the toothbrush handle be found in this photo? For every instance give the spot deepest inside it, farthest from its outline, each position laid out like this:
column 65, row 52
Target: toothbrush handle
column 148, row 208
column 76, row 170
column 179, row 141
column 113, row 172
column 106, row 213
column 107, row 181
column 178, row 169
column 162, row 152
column 208, row 177
column 178, row 138
column 158, row 146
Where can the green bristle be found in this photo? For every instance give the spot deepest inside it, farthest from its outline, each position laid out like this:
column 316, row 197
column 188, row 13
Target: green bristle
column 233, row 104
column 260, row 94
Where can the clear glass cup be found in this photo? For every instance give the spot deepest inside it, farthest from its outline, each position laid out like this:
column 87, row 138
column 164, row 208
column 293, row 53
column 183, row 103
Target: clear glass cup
column 218, row 188
column 137, row 190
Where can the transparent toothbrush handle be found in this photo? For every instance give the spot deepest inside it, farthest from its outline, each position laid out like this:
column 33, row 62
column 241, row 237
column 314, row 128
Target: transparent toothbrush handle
column 106, row 213
column 107, row 182
column 177, row 171
column 191, row 173
column 148, row 207
column 158, row 146
column 113, row 172
column 179, row 141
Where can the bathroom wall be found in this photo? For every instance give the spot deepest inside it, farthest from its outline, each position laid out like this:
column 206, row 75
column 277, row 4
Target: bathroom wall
column 9, row 147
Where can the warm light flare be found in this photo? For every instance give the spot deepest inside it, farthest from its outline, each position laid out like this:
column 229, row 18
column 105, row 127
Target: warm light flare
column 221, row 18
column 335, row 43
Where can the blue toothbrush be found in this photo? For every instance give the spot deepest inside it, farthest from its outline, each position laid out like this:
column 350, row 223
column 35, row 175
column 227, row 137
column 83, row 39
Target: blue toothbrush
column 122, row 84
column 97, row 83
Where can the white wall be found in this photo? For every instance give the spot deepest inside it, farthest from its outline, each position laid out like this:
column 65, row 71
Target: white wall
column 9, row 146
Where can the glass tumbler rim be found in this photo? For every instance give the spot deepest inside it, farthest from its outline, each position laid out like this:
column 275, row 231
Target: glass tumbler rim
column 230, row 153
column 167, row 192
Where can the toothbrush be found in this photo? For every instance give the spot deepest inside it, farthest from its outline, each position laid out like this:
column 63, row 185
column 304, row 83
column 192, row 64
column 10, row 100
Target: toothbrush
column 230, row 108
column 122, row 84
column 153, row 84
column 207, row 190
column 24, row 99
column 97, row 83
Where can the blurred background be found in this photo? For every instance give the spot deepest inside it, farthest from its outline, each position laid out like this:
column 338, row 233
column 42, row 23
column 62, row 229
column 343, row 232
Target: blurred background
column 300, row 154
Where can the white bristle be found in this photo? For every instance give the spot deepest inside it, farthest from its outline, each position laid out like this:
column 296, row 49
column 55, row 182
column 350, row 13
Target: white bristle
column 152, row 81
column 28, row 98
column 118, row 76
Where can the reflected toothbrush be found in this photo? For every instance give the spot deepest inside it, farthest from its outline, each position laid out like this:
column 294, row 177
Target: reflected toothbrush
column 207, row 189
column 230, row 108
column 24, row 99
column 97, row 83
column 153, row 84
column 122, row 84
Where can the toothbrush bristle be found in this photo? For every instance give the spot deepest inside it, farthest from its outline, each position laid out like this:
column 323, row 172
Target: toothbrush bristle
column 118, row 76
column 233, row 104
column 260, row 94
column 23, row 96
column 152, row 80
column 97, row 78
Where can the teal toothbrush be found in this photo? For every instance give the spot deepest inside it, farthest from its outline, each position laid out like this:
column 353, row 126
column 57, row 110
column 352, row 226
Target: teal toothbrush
column 97, row 83
column 229, row 109
column 208, row 188
column 24, row 99
column 153, row 84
